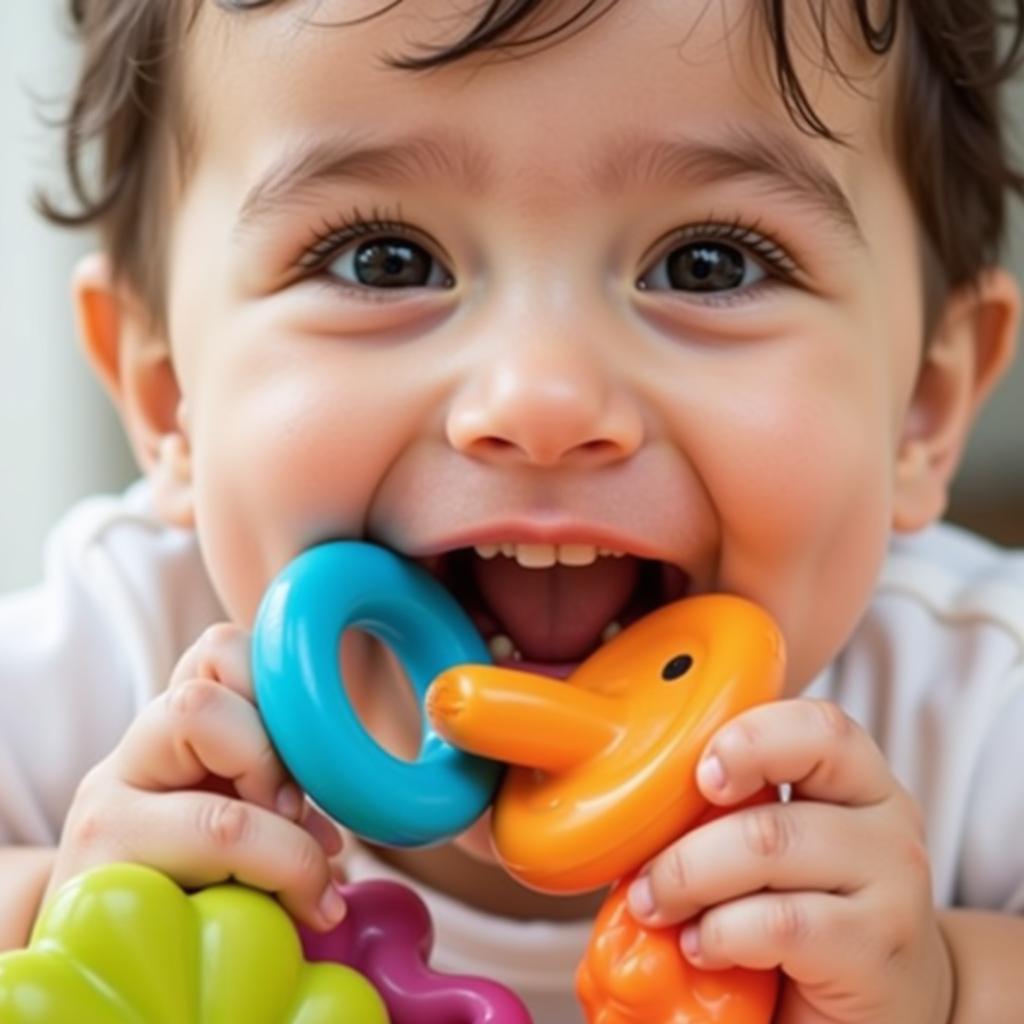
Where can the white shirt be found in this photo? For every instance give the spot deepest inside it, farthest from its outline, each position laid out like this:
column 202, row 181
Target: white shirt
column 934, row 671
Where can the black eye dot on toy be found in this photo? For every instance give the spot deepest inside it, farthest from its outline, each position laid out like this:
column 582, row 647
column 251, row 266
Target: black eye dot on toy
column 677, row 667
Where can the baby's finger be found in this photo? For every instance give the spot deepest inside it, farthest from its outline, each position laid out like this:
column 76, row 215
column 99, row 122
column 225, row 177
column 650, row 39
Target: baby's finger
column 221, row 653
column 814, row 937
column 812, row 744
column 802, row 845
column 203, row 838
column 201, row 728
column 322, row 829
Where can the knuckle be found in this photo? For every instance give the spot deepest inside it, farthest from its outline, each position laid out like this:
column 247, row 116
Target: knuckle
column 833, row 720
column 213, row 644
column 895, row 939
column 742, row 736
column 786, row 923
column 191, row 699
column 308, row 864
column 218, row 636
column 674, row 869
column 86, row 827
column 899, row 925
column 225, row 822
column 88, row 821
column 918, row 860
column 768, row 831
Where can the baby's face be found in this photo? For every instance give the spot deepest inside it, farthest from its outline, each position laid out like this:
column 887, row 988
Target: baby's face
column 604, row 297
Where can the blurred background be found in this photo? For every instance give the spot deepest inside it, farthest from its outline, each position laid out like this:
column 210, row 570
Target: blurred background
column 58, row 438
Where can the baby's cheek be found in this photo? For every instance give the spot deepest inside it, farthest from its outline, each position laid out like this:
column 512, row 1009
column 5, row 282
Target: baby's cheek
column 270, row 482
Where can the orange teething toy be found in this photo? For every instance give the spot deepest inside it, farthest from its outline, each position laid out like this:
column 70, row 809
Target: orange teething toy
column 602, row 779
column 603, row 763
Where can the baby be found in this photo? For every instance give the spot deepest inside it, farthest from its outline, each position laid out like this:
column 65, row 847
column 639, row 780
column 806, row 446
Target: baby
column 585, row 306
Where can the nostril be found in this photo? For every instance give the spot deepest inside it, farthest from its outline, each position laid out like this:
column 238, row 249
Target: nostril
column 494, row 446
column 600, row 447
column 497, row 444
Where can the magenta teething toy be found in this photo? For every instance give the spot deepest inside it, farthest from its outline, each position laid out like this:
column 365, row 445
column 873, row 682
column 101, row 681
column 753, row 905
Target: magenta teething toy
column 387, row 935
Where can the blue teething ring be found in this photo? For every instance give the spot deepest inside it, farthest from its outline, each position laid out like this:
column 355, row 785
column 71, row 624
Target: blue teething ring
column 305, row 707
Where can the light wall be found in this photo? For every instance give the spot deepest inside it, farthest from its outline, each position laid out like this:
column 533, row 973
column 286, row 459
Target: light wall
column 58, row 439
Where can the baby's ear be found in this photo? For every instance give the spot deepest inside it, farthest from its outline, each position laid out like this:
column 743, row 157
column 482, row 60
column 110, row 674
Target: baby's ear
column 970, row 348
column 130, row 354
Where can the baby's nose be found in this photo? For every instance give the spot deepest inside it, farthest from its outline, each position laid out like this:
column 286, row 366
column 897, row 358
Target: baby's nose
column 545, row 404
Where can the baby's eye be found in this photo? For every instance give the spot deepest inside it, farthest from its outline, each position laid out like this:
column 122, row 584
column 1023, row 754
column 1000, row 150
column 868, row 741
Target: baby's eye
column 388, row 263
column 703, row 266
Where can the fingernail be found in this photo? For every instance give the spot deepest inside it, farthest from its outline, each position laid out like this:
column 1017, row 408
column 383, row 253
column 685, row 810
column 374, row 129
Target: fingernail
column 641, row 897
column 689, row 940
column 332, row 905
column 288, row 801
column 711, row 773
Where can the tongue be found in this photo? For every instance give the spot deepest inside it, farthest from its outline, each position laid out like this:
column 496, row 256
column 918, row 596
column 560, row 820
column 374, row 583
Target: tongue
column 556, row 614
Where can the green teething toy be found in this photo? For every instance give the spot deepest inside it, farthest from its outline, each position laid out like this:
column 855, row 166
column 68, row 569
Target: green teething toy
column 123, row 944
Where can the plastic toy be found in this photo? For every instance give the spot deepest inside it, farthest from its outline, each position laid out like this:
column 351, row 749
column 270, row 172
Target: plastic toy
column 387, row 935
column 631, row 974
column 305, row 706
column 599, row 785
column 123, row 944
column 615, row 742
column 636, row 975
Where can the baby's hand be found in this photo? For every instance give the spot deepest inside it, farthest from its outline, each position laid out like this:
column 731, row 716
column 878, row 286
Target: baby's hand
column 833, row 887
column 195, row 790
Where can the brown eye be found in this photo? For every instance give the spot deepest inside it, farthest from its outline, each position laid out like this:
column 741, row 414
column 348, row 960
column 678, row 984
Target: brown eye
column 705, row 267
column 382, row 262
column 392, row 263
column 678, row 666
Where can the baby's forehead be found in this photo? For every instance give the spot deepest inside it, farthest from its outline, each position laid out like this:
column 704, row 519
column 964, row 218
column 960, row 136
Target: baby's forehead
column 603, row 102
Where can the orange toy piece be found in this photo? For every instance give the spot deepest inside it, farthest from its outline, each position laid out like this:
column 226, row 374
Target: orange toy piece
column 636, row 975
column 603, row 763
column 632, row 974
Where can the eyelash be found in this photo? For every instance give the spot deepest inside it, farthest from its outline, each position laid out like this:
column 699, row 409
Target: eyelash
column 332, row 236
column 747, row 235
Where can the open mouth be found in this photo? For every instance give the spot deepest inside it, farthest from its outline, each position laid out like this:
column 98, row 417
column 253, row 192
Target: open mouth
column 548, row 607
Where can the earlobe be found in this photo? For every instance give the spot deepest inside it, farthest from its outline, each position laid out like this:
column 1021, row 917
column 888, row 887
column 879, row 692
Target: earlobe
column 131, row 357
column 969, row 351
column 171, row 477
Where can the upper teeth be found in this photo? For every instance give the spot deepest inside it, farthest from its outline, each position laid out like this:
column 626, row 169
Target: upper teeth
column 543, row 556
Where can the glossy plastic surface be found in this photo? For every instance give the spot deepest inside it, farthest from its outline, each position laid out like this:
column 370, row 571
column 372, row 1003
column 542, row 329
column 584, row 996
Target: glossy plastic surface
column 387, row 935
column 306, row 708
column 636, row 975
column 632, row 974
column 615, row 743
column 122, row 945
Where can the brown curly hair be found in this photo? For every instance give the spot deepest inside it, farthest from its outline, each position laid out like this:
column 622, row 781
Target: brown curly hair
column 950, row 134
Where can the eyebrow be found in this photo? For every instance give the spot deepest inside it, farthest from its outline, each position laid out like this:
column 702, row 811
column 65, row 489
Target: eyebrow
column 781, row 165
column 314, row 163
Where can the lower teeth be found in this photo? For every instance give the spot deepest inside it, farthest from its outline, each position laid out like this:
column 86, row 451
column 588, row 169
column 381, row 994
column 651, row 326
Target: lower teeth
column 502, row 648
